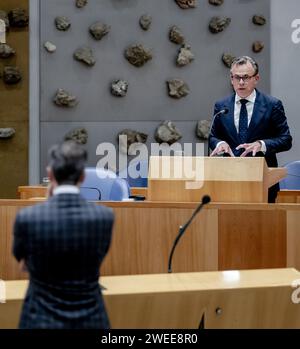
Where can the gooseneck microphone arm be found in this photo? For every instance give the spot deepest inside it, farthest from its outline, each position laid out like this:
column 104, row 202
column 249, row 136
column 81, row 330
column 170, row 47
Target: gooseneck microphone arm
column 182, row 229
column 223, row 111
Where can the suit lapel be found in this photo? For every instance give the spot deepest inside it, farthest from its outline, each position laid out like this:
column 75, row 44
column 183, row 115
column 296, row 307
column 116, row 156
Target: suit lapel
column 258, row 113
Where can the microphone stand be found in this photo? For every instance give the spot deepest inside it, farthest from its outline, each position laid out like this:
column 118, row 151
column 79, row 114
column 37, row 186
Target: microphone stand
column 223, row 111
column 182, row 229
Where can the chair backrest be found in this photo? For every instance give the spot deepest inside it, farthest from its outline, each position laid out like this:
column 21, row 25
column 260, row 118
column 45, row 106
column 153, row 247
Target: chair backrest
column 292, row 180
column 104, row 185
column 136, row 174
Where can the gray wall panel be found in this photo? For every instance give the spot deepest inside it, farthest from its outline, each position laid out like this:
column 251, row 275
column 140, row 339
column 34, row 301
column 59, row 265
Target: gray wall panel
column 100, row 132
column 147, row 102
column 285, row 75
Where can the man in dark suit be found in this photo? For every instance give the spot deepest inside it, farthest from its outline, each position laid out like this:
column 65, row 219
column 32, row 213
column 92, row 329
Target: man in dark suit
column 62, row 243
column 254, row 124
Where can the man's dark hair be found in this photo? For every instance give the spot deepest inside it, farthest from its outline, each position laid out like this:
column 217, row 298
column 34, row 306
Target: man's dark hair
column 243, row 60
column 67, row 161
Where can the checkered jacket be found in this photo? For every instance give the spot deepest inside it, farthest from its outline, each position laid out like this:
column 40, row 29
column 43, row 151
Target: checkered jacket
column 63, row 242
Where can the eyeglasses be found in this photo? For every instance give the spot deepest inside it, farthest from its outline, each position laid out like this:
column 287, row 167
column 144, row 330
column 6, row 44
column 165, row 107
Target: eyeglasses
column 245, row 78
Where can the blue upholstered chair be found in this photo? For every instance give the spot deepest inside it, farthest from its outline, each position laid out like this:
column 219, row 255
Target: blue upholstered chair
column 134, row 169
column 104, row 185
column 292, row 181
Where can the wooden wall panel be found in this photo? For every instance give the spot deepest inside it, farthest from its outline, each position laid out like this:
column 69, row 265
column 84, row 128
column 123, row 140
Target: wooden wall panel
column 14, row 102
column 142, row 241
column 249, row 239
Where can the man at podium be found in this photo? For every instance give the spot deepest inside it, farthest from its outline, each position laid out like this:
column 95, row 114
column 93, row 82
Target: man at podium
column 249, row 123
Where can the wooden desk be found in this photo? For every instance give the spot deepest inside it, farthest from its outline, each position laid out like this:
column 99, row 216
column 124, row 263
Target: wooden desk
column 288, row 196
column 28, row 192
column 222, row 237
column 245, row 299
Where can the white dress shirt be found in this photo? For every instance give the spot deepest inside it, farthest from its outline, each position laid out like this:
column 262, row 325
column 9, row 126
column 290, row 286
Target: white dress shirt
column 66, row 189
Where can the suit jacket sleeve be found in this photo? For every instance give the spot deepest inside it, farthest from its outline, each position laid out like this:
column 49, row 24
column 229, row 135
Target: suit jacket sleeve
column 281, row 139
column 213, row 136
column 19, row 250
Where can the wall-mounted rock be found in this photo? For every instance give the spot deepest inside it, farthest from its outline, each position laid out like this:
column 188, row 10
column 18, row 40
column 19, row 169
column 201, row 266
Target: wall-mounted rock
column 50, row 47
column 259, row 20
column 4, row 17
column 65, row 99
column 11, row 75
column 79, row 135
column 167, row 133
column 176, row 36
column 145, row 21
column 98, row 30
column 85, row 55
column 6, row 133
column 62, row 23
column 18, row 18
column 186, row 4
column 138, row 55
column 177, row 88
column 258, row 46
column 134, row 139
column 6, row 51
column 218, row 24
column 202, row 129
column 185, row 56
column 81, row 3
column 119, row 88
column 216, row 2
column 227, row 59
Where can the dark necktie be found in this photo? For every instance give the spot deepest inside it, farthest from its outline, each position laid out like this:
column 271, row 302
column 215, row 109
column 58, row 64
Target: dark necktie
column 243, row 122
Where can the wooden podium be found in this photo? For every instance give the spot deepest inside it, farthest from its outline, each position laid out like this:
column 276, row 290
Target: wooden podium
column 224, row 179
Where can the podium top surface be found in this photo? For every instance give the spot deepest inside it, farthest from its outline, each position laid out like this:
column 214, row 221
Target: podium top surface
column 250, row 169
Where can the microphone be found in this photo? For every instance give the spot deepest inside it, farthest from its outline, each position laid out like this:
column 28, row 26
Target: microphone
column 182, row 229
column 223, row 111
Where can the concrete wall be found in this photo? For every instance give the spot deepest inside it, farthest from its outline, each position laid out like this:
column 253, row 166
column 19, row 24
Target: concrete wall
column 285, row 72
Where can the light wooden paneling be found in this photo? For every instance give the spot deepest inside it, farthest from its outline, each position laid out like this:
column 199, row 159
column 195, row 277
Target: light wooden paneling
column 14, row 102
column 245, row 299
column 188, row 179
column 29, row 192
column 288, row 196
column 252, row 239
column 293, row 239
column 223, row 236
column 9, row 268
column 142, row 241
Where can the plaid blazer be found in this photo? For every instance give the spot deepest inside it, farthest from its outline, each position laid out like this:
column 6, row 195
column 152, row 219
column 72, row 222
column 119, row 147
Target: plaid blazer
column 63, row 242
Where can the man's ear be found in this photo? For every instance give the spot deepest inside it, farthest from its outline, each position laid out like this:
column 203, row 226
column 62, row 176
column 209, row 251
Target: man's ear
column 50, row 173
column 81, row 178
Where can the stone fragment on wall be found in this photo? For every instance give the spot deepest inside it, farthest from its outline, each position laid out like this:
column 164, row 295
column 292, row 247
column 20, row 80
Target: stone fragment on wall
column 167, row 133
column 98, row 30
column 65, row 99
column 79, row 135
column 138, row 55
column 6, row 133
column 177, row 88
column 85, row 55
column 18, row 18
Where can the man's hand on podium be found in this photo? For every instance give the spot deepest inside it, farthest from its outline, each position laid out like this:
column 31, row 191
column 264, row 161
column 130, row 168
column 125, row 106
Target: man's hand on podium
column 222, row 148
column 253, row 148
